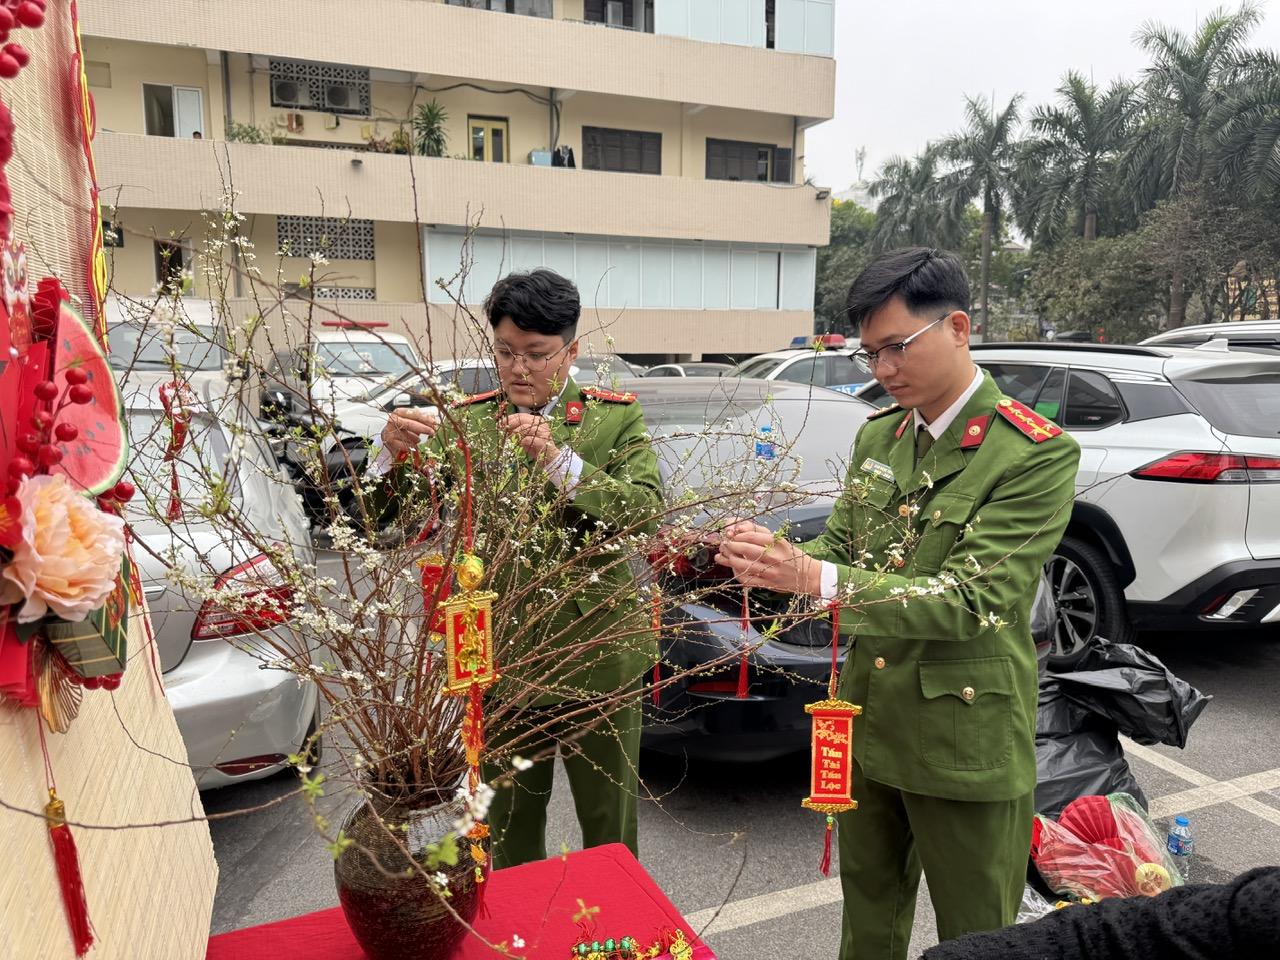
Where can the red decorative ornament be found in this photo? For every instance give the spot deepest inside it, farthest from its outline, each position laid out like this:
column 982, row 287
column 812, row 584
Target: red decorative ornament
column 124, row 491
column 831, row 750
column 29, row 442
column 66, row 432
column 49, row 455
column 81, row 393
column 21, row 467
column 174, row 397
column 76, row 376
column 30, row 14
column 744, row 685
column 19, row 53
column 47, row 390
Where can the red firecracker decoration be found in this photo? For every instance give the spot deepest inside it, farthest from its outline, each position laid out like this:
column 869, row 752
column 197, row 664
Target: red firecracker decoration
column 174, row 397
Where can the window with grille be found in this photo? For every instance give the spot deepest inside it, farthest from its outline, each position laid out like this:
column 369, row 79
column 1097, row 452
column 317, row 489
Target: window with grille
column 302, row 85
column 345, row 293
column 735, row 160
column 331, row 237
column 623, row 151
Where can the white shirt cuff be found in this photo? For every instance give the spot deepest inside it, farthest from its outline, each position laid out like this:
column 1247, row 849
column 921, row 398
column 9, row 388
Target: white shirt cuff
column 830, row 580
column 380, row 461
column 566, row 470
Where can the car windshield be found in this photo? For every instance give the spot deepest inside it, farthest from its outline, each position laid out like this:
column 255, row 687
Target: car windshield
column 203, row 455
column 146, row 347
column 758, row 367
column 371, row 359
column 1246, row 407
column 710, row 443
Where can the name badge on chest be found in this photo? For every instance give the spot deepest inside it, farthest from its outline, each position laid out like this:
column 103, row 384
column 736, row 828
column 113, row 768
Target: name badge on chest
column 878, row 469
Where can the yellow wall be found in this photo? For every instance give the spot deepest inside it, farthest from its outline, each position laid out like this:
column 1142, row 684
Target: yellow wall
column 399, row 266
column 132, row 267
column 133, row 64
column 595, row 110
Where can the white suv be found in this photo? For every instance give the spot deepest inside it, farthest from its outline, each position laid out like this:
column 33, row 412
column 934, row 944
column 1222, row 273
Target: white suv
column 821, row 361
column 1177, row 515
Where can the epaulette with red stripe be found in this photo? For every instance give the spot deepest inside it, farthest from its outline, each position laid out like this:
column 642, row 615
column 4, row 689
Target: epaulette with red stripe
column 1029, row 423
column 476, row 398
column 608, row 396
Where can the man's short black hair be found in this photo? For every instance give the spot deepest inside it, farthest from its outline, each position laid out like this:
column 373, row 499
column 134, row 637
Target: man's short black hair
column 540, row 301
column 927, row 280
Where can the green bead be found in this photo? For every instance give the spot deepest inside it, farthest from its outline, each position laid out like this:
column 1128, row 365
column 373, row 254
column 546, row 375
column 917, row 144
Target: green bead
column 595, row 946
column 608, row 944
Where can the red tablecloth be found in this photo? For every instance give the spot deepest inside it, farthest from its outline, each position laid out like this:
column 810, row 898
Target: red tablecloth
column 535, row 902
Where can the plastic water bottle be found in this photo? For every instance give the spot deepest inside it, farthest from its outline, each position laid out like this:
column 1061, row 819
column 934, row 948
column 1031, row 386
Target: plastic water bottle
column 764, row 442
column 1182, row 846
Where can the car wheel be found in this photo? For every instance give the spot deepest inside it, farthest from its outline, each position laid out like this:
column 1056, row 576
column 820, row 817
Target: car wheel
column 1087, row 600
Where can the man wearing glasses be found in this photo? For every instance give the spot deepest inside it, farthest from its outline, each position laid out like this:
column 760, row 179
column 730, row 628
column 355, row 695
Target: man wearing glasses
column 954, row 499
column 590, row 449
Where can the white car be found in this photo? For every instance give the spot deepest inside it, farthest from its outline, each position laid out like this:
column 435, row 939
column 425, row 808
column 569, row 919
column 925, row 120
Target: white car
column 1176, row 522
column 344, row 360
column 826, row 362
column 168, row 334
column 1261, row 335
column 239, row 721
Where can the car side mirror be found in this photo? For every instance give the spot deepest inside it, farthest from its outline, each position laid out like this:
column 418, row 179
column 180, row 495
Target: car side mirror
column 402, row 400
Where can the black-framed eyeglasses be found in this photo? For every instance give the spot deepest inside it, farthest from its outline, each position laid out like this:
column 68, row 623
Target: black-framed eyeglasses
column 895, row 353
column 533, row 362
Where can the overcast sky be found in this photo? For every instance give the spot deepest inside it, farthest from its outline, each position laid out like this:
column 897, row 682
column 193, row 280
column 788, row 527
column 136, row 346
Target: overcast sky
column 904, row 66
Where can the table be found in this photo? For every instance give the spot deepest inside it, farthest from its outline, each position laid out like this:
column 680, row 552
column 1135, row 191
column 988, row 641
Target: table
column 537, row 902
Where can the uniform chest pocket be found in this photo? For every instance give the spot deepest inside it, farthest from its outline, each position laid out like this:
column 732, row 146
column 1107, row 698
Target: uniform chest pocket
column 941, row 522
column 966, row 714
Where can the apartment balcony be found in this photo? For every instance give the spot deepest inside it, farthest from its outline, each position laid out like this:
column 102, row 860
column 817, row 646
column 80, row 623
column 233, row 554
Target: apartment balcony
column 431, row 38
column 163, row 173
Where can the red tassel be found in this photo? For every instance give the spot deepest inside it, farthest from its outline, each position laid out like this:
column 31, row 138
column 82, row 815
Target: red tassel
column 743, row 685
column 656, row 694
column 473, row 733
column 68, row 863
column 825, row 865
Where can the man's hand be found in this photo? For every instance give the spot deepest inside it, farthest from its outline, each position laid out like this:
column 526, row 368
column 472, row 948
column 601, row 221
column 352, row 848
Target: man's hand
column 533, row 434
column 405, row 429
column 758, row 558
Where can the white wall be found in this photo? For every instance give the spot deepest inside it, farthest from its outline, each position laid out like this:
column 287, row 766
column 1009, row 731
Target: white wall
column 625, row 272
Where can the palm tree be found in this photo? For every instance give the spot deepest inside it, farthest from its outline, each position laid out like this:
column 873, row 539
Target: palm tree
column 910, row 209
column 984, row 158
column 1246, row 131
column 1066, row 169
column 1190, row 78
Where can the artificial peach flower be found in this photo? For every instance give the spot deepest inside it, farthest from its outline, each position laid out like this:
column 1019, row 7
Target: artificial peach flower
column 68, row 558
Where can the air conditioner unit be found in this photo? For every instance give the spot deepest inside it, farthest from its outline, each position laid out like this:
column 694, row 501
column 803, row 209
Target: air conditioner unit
column 295, row 122
column 613, row 13
column 341, row 96
column 289, row 93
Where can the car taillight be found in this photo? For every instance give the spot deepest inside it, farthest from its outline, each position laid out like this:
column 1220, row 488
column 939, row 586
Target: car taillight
column 238, row 768
column 1193, row 467
column 257, row 600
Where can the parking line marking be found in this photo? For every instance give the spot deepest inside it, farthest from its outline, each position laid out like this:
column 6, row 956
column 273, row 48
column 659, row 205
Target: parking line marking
column 1167, row 764
column 1204, row 792
column 1226, row 791
column 767, row 906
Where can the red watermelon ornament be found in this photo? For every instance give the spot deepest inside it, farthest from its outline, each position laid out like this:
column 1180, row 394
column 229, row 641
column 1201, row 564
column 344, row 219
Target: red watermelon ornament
column 94, row 457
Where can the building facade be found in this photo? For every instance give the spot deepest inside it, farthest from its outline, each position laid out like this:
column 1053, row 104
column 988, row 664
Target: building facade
column 652, row 150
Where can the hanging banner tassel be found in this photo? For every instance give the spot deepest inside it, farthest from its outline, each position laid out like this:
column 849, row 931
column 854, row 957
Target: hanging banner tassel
column 743, row 685
column 67, row 862
column 825, row 866
column 656, row 625
column 473, row 733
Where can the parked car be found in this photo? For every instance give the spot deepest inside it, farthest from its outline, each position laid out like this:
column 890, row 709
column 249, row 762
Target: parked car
column 601, row 368
column 702, row 430
column 139, row 338
column 343, row 360
column 1263, row 335
column 827, row 362
column 1176, row 522
column 698, row 369
column 239, row 720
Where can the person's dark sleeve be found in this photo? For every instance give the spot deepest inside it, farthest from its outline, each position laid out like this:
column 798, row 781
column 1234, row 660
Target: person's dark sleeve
column 1240, row 920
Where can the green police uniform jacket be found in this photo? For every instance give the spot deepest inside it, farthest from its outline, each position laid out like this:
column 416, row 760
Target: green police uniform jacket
column 619, row 491
column 938, row 564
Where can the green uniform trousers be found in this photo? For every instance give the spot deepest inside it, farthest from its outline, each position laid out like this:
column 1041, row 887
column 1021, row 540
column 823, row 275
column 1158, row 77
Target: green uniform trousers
column 601, row 760
column 974, row 855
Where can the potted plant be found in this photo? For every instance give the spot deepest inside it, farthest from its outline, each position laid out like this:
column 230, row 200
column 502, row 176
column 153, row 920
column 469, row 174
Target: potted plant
column 429, row 136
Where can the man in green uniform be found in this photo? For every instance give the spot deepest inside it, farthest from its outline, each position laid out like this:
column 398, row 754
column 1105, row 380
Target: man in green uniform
column 954, row 499
column 586, row 458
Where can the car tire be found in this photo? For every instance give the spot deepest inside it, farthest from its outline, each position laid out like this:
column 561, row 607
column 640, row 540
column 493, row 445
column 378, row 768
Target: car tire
column 1088, row 602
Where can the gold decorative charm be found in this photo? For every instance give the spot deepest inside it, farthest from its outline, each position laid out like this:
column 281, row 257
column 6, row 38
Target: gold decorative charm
column 59, row 695
column 468, row 631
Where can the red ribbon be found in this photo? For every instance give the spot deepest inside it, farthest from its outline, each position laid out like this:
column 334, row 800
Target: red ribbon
column 743, row 684
column 174, row 397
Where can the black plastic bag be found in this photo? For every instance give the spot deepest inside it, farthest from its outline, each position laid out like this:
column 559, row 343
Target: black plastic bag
column 1078, row 753
column 1133, row 689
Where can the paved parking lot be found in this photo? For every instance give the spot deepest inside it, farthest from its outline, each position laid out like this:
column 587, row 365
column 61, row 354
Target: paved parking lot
column 735, row 851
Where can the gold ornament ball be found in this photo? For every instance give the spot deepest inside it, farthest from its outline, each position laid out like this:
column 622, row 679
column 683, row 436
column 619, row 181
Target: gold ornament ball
column 470, row 572
column 1152, row 879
